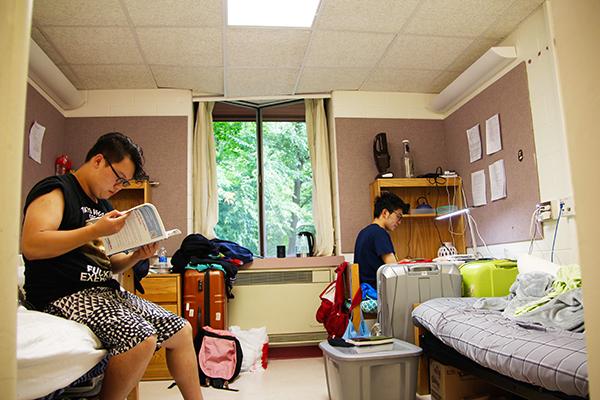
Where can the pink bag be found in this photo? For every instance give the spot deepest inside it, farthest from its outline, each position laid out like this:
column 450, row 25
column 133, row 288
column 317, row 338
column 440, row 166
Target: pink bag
column 219, row 357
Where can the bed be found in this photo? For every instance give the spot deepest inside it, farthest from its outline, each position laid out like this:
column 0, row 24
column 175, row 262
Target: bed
column 529, row 360
column 57, row 357
column 52, row 353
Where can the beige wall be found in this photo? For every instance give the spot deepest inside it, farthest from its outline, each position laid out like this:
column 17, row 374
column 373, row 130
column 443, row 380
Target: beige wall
column 15, row 25
column 576, row 30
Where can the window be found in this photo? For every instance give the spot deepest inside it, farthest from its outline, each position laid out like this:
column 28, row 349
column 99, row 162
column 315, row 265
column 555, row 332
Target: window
column 262, row 214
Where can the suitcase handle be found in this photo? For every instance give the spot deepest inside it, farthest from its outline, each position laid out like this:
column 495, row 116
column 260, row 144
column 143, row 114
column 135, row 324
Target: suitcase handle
column 423, row 268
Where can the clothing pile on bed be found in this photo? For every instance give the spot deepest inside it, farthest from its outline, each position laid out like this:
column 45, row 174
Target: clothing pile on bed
column 535, row 334
column 540, row 299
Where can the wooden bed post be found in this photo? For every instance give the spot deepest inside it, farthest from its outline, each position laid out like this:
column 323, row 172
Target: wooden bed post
column 128, row 284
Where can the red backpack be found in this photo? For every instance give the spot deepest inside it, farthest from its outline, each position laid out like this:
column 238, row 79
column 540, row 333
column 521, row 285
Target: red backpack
column 333, row 313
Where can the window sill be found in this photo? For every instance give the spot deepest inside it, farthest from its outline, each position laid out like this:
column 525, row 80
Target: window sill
column 293, row 262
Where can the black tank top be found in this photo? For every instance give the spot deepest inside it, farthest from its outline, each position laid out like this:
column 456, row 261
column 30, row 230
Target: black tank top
column 84, row 267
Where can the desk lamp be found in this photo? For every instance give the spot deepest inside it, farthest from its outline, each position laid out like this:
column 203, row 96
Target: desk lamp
column 467, row 212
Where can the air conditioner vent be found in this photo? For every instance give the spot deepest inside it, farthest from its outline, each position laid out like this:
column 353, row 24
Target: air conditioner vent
column 273, row 278
column 308, row 337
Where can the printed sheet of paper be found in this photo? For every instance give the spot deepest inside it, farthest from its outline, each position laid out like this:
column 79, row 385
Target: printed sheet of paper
column 493, row 136
column 474, row 140
column 497, row 180
column 36, row 137
column 478, row 188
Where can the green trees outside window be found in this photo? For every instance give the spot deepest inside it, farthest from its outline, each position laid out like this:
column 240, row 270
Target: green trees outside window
column 287, row 184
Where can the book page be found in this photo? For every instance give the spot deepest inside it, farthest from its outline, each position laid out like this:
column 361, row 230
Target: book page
column 142, row 226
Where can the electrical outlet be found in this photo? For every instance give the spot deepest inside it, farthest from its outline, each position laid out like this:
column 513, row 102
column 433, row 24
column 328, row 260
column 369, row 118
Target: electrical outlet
column 568, row 206
column 545, row 211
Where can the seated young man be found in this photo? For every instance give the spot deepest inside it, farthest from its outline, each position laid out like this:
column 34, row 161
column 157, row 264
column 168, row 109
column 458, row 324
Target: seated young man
column 67, row 272
column 373, row 247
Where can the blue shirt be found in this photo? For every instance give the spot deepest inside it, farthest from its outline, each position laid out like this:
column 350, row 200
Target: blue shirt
column 371, row 244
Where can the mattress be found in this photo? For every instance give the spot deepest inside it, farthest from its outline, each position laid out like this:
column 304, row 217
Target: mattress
column 551, row 358
column 52, row 352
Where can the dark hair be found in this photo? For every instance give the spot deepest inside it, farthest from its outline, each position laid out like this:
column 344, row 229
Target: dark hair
column 391, row 202
column 115, row 146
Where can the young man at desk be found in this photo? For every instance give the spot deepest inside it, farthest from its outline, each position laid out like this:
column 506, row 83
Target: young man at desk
column 373, row 247
column 67, row 272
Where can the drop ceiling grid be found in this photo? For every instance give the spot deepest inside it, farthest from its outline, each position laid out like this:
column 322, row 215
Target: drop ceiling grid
column 395, row 45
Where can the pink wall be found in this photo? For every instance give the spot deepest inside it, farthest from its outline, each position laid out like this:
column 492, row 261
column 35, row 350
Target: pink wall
column 40, row 110
column 164, row 142
column 356, row 166
column 443, row 143
column 505, row 220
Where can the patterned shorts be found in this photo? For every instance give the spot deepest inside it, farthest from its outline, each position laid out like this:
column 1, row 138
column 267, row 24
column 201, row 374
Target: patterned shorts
column 120, row 319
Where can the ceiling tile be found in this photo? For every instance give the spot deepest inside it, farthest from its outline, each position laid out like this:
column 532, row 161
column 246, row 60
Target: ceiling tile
column 250, row 47
column 368, row 16
column 347, row 49
column 467, row 18
column 401, row 80
column 511, row 18
column 260, row 81
column 323, row 80
column 49, row 49
column 96, row 45
column 424, row 52
column 181, row 46
column 199, row 79
column 471, row 54
column 78, row 13
column 114, row 77
column 175, row 12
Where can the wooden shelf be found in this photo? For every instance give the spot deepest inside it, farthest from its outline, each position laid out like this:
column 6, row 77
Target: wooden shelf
column 417, row 236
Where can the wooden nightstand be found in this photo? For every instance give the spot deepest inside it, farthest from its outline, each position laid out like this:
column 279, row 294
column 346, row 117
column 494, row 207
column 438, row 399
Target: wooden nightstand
column 164, row 290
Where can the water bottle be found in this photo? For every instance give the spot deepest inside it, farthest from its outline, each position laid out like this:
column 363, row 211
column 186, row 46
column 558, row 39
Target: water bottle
column 407, row 161
column 162, row 258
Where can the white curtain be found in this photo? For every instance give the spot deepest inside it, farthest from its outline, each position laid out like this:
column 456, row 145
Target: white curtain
column 204, row 175
column 318, row 143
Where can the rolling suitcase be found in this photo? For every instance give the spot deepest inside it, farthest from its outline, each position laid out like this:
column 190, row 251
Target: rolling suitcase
column 488, row 278
column 400, row 286
column 205, row 299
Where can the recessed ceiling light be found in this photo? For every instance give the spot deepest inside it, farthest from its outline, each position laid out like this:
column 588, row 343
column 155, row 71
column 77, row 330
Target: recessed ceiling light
column 289, row 13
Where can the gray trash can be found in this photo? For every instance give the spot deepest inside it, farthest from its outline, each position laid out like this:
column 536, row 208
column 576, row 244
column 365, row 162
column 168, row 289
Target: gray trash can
column 378, row 375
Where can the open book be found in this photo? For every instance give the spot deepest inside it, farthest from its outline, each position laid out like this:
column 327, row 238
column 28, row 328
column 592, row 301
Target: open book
column 142, row 226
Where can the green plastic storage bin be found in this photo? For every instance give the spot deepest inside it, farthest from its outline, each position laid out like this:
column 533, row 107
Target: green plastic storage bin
column 488, row 278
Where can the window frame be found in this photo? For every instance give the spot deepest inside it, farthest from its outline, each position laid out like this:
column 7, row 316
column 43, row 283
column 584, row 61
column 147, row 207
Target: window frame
column 262, row 239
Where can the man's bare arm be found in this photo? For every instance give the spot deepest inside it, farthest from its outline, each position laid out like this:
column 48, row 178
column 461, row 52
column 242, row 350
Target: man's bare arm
column 389, row 258
column 42, row 239
column 122, row 262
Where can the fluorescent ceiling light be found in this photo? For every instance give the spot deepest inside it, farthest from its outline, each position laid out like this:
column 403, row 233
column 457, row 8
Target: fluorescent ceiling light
column 288, row 13
column 489, row 64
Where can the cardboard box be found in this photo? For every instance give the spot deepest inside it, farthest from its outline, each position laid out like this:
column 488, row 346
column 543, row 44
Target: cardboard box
column 449, row 383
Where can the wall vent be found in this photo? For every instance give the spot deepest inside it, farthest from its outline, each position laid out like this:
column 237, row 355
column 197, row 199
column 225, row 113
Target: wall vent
column 274, row 278
column 308, row 337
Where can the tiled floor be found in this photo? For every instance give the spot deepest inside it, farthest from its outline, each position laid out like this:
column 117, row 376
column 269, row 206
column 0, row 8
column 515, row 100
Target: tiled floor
column 294, row 379
column 283, row 379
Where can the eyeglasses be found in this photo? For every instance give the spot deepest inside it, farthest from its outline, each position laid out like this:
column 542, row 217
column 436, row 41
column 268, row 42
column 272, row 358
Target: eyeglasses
column 398, row 214
column 120, row 181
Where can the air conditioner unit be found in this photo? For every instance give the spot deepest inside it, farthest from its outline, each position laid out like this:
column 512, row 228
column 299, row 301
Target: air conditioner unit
column 284, row 301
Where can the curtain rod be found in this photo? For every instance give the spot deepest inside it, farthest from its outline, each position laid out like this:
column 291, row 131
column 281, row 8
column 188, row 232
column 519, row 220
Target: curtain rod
column 255, row 98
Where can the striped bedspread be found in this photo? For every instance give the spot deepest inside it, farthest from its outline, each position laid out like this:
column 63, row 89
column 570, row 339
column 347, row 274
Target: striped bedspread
column 551, row 358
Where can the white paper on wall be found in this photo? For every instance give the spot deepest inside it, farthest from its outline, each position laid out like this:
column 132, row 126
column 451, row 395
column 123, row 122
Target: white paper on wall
column 36, row 137
column 493, row 136
column 478, row 188
column 497, row 180
column 474, row 140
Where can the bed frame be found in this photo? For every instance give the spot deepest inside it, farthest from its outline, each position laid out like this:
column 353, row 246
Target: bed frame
column 435, row 349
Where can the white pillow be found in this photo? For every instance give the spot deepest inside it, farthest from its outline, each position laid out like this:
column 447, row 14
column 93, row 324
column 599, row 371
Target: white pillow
column 528, row 263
